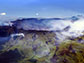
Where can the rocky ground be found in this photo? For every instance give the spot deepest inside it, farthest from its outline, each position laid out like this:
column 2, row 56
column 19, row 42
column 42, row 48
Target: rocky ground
column 24, row 43
column 40, row 47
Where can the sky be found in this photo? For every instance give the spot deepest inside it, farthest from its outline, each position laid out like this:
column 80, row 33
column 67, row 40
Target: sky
column 41, row 8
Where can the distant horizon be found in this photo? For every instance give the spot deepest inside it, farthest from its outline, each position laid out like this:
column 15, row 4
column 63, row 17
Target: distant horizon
column 38, row 17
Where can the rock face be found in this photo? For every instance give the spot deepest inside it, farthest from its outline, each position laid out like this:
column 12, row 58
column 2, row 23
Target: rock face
column 34, row 45
column 33, row 40
column 7, row 30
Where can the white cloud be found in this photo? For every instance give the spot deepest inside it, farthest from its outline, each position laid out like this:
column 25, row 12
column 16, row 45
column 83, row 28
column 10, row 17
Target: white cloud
column 76, row 28
column 59, row 25
column 37, row 14
column 3, row 13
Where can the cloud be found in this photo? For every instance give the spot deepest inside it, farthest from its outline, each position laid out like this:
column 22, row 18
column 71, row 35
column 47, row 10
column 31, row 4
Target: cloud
column 59, row 24
column 3, row 13
column 37, row 14
column 76, row 28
